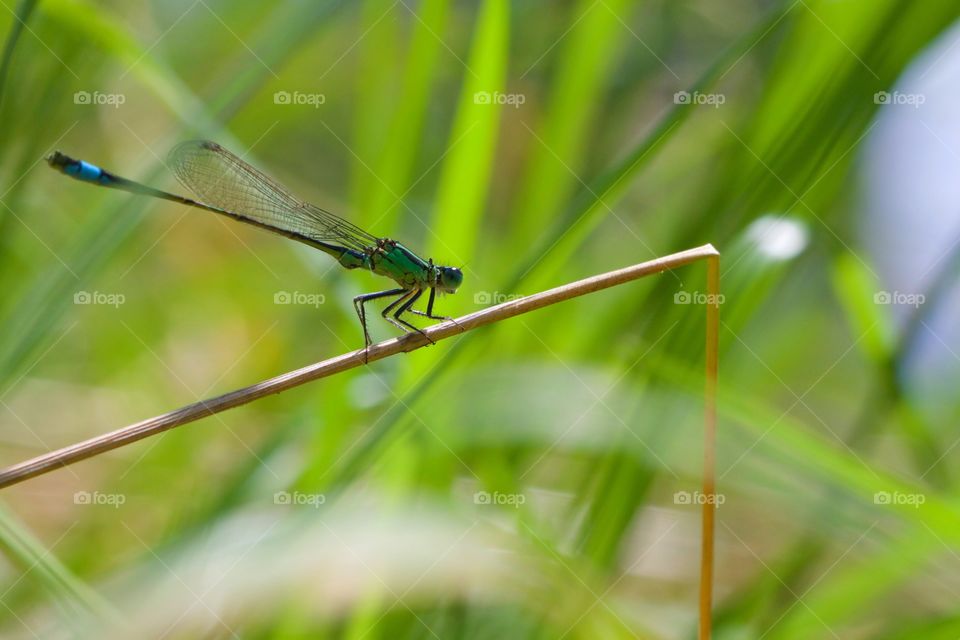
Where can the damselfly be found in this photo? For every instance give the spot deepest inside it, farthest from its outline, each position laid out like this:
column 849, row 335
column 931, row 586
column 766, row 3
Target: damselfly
column 225, row 184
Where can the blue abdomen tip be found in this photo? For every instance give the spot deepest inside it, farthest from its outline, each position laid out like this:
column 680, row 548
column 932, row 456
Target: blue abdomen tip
column 84, row 171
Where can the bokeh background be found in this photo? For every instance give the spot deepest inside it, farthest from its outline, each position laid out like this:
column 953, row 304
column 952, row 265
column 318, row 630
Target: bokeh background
column 537, row 478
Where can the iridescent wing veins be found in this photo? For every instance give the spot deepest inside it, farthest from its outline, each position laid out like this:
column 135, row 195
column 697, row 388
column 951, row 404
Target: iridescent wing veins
column 220, row 179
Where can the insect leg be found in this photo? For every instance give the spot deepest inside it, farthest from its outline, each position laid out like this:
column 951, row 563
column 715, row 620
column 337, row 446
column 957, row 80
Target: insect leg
column 407, row 294
column 404, row 307
column 361, row 312
column 429, row 313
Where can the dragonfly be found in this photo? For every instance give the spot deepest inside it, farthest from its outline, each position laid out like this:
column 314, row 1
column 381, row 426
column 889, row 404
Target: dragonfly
column 226, row 185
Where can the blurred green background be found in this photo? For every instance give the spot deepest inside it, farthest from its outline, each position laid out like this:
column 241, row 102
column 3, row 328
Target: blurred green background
column 537, row 478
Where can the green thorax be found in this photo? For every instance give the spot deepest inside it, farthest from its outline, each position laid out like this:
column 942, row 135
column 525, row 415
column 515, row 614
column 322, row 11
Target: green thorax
column 395, row 261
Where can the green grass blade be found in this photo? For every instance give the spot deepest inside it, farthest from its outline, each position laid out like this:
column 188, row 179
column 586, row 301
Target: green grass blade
column 20, row 18
column 36, row 561
column 405, row 114
column 465, row 180
column 582, row 74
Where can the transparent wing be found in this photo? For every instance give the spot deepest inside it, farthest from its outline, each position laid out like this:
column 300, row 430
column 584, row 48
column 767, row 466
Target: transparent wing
column 222, row 180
